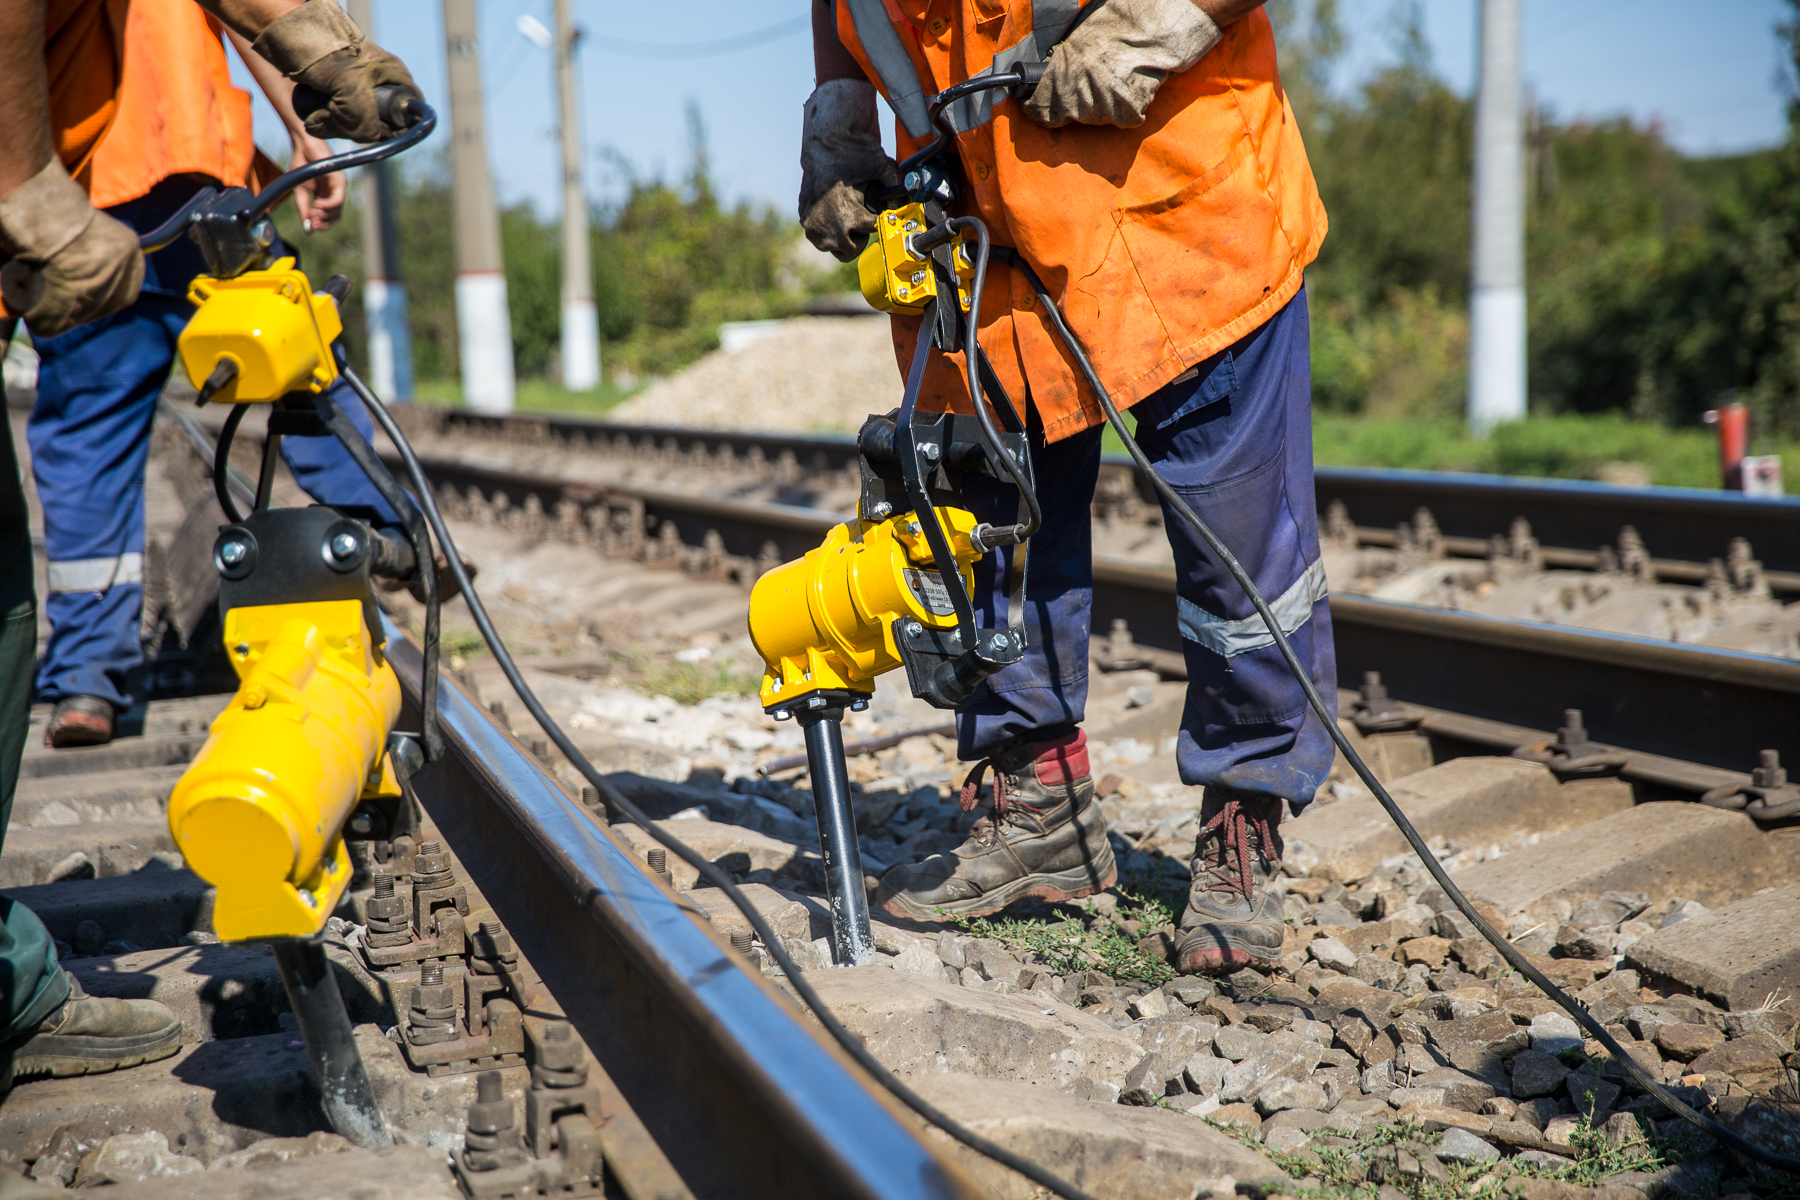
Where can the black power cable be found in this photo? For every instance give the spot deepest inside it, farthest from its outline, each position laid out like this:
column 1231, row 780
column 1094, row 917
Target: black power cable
column 1510, row 953
column 710, row 872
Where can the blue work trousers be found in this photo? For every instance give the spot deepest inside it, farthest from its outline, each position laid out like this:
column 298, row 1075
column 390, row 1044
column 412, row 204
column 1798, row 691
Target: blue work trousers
column 1235, row 440
column 90, row 440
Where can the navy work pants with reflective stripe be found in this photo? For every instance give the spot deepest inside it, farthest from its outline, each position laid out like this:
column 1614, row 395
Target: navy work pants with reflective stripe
column 90, row 441
column 1236, row 441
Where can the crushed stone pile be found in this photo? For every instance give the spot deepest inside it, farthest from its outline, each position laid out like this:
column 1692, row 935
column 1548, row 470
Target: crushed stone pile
column 816, row 373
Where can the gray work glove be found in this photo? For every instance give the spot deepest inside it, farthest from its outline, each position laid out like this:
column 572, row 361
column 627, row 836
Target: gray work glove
column 840, row 153
column 1107, row 71
column 336, row 70
column 67, row 263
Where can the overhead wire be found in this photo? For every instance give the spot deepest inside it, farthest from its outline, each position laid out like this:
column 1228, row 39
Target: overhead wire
column 710, row 48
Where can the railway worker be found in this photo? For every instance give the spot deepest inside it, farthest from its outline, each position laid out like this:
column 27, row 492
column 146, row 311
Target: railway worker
column 1156, row 181
column 111, row 116
column 175, row 124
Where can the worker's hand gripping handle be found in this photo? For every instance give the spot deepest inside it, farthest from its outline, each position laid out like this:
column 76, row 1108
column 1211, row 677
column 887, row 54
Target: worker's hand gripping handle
column 1030, row 75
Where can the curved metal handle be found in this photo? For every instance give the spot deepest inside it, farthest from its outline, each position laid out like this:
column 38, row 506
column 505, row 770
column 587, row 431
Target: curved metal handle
column 423, row 121
column 420, row 120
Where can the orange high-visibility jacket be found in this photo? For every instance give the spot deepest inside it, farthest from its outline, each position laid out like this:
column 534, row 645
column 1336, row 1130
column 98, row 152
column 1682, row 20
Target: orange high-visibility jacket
column 140, row 91
column 1163, row 244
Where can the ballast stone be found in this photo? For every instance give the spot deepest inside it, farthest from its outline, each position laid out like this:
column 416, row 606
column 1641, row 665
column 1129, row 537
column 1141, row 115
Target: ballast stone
column 922, row 1027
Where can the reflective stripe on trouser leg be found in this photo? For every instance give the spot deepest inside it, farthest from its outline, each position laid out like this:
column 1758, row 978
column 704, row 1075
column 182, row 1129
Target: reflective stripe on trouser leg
column 90, row 440
column 1236, row 443
column 1047, row 689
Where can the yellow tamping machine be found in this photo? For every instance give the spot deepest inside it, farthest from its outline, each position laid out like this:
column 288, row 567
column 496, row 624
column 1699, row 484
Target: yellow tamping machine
column 309, row 738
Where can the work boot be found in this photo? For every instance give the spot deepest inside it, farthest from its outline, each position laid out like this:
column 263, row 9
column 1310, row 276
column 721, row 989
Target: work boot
column 90, row 1035
column 1233, row 918
column 1042, row 836
column 80, row 721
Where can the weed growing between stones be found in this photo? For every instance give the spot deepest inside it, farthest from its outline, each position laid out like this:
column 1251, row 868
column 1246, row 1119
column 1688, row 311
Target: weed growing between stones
column 1401, row 1155
column 1081, row 937
column 683, row 682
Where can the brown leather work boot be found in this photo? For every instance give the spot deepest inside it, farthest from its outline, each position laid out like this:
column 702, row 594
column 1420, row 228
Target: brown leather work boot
column 1233, row 917
column 90, row 1035
column 80, row 721
column 1043, row 836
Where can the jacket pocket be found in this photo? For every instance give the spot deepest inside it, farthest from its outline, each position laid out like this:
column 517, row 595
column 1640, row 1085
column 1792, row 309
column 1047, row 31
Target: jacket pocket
column 1211, row 251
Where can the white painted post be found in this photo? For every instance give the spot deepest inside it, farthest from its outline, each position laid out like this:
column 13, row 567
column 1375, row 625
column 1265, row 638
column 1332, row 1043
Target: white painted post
column 580, row 320
column 483, row 325
column 1497, row 298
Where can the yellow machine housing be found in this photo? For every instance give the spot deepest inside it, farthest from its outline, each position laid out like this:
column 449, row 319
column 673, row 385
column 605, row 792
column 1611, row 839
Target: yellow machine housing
column 824, row 621
column 271, row 324
column 893, row 278
column 258, row 812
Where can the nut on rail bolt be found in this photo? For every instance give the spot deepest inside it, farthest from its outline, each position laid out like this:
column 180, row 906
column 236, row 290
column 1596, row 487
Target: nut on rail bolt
column 492, row 1139
column 389, row 924
column 1376, row 712
column 431, row 1017
column 492, row 951
column 1572, row 754
column 658, row 860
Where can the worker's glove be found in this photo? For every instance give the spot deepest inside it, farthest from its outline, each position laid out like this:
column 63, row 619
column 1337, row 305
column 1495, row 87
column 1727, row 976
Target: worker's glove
column 67, row 263
column 840, row 157
column 336, row 70
column 1107, row 71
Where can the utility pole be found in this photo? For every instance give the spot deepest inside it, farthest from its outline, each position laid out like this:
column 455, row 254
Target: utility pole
column 580, row 322
column 384, row 291
column 483, row 327
column 1497, row 298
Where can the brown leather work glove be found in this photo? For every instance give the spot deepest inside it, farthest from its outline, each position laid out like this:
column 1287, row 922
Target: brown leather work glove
column 68, row 262
column 1107, row 71
column 840, row 153
column 335, row 70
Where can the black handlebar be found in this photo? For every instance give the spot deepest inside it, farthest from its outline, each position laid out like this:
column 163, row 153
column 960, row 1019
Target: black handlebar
column 420, row 120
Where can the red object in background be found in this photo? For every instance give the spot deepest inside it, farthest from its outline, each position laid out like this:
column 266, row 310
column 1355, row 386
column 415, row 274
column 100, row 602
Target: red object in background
column 1733, row 422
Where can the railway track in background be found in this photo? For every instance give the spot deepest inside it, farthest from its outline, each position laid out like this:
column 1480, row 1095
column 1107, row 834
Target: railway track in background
column 1687, row 527
column 1695, row 704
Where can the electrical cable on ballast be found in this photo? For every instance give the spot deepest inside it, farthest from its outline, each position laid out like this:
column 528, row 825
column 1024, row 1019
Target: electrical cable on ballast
column 712, row 873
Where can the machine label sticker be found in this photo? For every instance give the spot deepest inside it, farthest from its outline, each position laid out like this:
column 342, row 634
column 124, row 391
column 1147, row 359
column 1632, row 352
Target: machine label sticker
column 928, row 588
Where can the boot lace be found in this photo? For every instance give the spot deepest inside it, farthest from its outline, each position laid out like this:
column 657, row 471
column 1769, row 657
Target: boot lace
column 1231, row 831
column 1007, row 806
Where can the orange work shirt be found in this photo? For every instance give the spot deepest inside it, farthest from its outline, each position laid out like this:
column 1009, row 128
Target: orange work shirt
column 140, row 91
column 1162, row 244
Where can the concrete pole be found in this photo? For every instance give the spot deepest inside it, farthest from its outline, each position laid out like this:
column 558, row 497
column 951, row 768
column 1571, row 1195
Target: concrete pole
column 1497, row 299
column 483, row 327
column 384, row 292
column 580, row 321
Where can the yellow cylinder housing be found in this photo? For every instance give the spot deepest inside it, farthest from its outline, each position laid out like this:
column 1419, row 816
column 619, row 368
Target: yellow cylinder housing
column 259, row 813
column 271, row 324
column 824, row 621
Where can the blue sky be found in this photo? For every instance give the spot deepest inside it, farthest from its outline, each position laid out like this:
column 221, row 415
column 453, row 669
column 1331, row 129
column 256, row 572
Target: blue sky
column 1708, row 72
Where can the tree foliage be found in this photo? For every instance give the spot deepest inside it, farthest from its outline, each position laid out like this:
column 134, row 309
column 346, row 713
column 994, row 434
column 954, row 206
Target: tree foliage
column 1655, row 283
column 671, row 261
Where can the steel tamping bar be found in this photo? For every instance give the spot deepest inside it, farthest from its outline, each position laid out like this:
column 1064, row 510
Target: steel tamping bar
column 318, row 1005
column 852, row 943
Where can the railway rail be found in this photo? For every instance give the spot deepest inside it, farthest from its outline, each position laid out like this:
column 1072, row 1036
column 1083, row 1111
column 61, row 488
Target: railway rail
column 703, row 1080
column 1708, row 706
